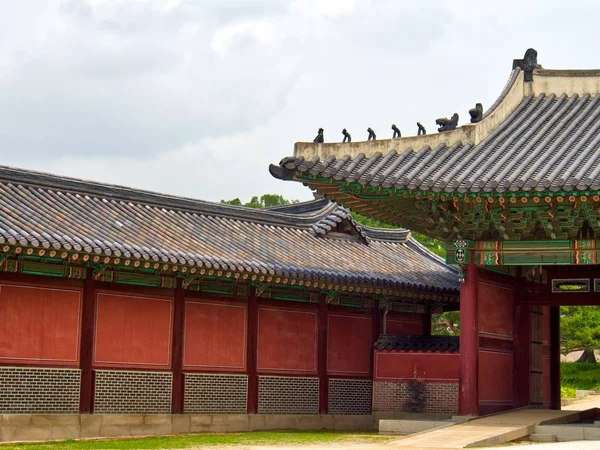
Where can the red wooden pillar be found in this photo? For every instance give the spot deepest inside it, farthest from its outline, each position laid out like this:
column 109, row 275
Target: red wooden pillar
column 521, row 347
column 555, row 357
column 322, row 357
column 86, row 349
column 468, row 397
column 177, row 397
column 427, row 322
column 252, row 353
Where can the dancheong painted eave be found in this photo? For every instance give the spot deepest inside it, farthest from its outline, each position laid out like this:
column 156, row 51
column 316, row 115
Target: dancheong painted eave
column 50, row 215
column 538, row 145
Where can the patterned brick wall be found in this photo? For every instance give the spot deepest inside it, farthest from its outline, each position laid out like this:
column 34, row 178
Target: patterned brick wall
column 415, row 396
column 32, row 390
column 288, row 395
column 350, row 396
column 215, row 394
column 121, row 392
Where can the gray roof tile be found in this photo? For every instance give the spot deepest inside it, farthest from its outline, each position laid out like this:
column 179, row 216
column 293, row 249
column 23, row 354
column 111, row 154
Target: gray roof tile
column 43, row 210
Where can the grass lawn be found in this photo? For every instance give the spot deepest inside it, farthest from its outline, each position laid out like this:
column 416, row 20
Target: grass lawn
column 274, row 438
column 575, row 376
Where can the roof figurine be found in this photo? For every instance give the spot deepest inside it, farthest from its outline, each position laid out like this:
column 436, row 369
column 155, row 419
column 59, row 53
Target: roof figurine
column 446, row 124
column 421, row 129
column 372, row 135
column 527, row 64
column 476, row 113
column 347, row 137
column 397, row 133
column 319, row 139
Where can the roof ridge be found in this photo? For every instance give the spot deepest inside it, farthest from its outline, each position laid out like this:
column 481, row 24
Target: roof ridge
column 171, row 202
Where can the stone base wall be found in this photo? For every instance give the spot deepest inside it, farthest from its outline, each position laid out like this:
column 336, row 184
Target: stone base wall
column 36, row 390
column 350, row 396
column 27, row 427
column 215, row 394
column 129, row 392
column 288, row 395
column 415, row 397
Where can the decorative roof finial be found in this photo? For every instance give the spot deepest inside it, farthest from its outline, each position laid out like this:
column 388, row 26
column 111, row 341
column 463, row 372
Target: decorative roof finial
column 397, row 133
column 446, row 124
column 421, row 129
column 372, row 135
column 476, row 113
column 527, row 64
column 347, row 137
column 319, row 139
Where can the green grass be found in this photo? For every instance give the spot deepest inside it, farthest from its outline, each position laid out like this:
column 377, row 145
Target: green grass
column 579, row 376
column 274, row 438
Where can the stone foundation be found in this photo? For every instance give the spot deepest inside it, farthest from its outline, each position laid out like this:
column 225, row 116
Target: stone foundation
column 28, row 427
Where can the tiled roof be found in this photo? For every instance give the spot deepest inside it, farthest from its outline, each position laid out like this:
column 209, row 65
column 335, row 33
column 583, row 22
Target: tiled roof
column 417, row 343
column 544, row 136
column 48, row 211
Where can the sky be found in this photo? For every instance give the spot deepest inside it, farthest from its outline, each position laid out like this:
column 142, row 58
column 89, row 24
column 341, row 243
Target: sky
column 197, row 97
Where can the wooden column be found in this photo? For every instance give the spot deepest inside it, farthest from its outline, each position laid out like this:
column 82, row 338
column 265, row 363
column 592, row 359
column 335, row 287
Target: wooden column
column 322, row 357
column 252, row 353
column 86, row 349
column 521, row 347
column 468, row 397
column 427, row 322
column 177, row 398
column 555, row 357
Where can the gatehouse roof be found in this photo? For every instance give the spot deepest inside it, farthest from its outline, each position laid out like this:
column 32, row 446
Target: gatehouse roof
column 537, row 147
column 538, row 136
column 317, row 240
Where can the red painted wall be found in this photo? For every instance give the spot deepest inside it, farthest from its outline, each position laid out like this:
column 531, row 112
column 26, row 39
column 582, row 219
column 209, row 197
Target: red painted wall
column 133, row 331
column 39, row 325
column 495, row 377
column 215, row 336
column 287, row 341
column 349, row 344
column 546, row 389
column 496, row 310
column 432, row 367
column 404, row 324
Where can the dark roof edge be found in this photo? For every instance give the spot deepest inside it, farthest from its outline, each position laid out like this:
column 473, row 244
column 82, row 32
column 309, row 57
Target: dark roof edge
column 170, row 202
column 514, row 75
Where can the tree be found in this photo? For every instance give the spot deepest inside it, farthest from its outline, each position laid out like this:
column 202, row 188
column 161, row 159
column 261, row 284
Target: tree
column 580, row 330
column 265, row 201
column 446, row 324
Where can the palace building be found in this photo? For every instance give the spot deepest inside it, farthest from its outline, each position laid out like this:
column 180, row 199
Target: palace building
column 127, row 312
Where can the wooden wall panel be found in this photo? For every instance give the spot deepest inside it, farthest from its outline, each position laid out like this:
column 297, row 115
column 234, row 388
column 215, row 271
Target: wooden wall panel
column 349, row 344
column 133, row 331
column 405, row 324
column 39, row 325
column 287, row 341
column 215, row 336
column 496, row 310
column 428, row 367
column 495, row 377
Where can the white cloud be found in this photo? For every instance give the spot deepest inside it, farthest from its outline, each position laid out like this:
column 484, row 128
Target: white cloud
column 198, row 97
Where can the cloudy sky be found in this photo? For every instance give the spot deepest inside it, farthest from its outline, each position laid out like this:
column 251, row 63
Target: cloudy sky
column 197, row 97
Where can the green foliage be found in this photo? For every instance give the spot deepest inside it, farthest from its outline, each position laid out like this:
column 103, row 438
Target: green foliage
column 264, row 201
column 273, row 438
column 579, row 328
column 583, row 376
column 446, row 324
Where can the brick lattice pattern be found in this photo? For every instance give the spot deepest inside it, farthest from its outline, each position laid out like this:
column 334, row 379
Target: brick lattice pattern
column 120, row 392
column 288, row 395
column 33, row 390
column 350, row 396
column 415, row 396
column 215, row 394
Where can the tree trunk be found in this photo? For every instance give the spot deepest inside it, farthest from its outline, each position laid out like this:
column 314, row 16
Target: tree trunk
column 588, row 356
